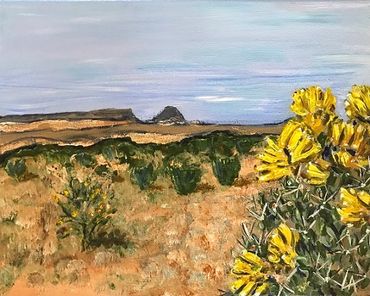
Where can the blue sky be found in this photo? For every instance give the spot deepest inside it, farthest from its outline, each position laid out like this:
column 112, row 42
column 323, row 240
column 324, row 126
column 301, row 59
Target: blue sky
column 219, row 61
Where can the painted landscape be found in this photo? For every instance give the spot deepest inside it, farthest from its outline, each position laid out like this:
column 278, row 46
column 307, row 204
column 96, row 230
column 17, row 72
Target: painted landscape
column 173, row 148
column 179, row 194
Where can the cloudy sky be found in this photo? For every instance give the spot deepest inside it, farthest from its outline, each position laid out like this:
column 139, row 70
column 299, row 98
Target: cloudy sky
column 220, row 61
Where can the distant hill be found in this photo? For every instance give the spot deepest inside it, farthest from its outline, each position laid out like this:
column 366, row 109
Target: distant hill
column 169, row 115
column 102, row 114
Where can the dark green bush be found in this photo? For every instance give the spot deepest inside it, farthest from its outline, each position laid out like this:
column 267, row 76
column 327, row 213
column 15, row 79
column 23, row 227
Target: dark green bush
column 244, row 145
column 16, row 169
column 185, row 178
column 85, row 159
column 103, row 170
column 226, row 169
column 143, row 175
column 110, row 152
column 198, row 145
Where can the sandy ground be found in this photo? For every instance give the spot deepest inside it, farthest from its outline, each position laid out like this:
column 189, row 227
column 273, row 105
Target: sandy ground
column 85, row 133
column 182, row 245
column 56, row 125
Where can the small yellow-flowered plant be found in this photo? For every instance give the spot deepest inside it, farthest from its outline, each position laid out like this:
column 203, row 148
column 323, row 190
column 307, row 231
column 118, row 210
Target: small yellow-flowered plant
column 282, row 245
column 355, row 206
column 250, row 274
column 358, row 103
column 85, row 210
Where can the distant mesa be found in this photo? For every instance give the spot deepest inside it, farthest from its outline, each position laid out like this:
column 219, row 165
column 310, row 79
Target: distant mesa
column 169, row 116
column 101, row 114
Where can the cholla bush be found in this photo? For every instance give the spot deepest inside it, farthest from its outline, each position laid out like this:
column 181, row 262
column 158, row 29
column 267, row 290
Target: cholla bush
column 16, row 169
column 86, row 208
column 311, row 236
column 144, row 167
column 226, row 169
column 185, row 173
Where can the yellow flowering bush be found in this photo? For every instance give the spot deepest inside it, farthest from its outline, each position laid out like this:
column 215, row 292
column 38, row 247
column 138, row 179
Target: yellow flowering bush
column 86, row 207
column 313, row 235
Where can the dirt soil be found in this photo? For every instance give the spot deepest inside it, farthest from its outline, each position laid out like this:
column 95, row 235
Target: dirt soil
column 180, row 245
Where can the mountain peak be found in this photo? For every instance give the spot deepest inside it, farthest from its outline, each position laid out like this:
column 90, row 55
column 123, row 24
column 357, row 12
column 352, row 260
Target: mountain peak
column 169, row 115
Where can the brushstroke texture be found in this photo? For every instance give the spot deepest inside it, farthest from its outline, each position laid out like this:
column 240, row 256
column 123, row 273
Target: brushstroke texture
column 219, row 61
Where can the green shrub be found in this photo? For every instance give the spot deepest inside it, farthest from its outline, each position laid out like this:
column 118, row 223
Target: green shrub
column 222, row 144
column 184, row 171
column 143, row 175
column 198, row 145
column 125, row 151
column 185, row 179
column 16, row 169
column 85, row 159
column 54, row 155
column 86, row 209
column 102, row 170
column 245, row 144
column 110, row 152
column 226, row 169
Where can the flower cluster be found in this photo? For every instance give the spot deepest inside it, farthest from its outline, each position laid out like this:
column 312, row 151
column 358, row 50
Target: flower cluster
column 322, row 162
column 253, row 273
column 316, row 139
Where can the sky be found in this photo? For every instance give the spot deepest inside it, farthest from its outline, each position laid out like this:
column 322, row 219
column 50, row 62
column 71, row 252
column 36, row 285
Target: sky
column 217, row 61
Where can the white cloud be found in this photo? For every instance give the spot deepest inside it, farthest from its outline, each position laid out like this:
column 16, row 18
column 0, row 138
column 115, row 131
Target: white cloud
column 28, row 14
column 327, row 5
column 218, row 99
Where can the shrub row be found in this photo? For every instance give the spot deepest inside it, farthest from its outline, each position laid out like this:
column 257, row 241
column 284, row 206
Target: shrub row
column 148, row 161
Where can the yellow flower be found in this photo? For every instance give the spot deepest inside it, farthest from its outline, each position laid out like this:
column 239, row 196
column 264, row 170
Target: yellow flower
column 66, row 193
column 317, row 122
column 358, row 103
column 347, row 135
column 314, row 107
column 281, row 245
column 352, row 142
column 74, row 214
column 347, row 160
column 312, row 99
column 355, row 206
column 317, row 172
column 280, row 158
column 251, row 278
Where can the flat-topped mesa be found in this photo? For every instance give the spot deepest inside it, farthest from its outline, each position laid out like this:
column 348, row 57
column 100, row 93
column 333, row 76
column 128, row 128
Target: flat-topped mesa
column 101, row 114
column 169, row 115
